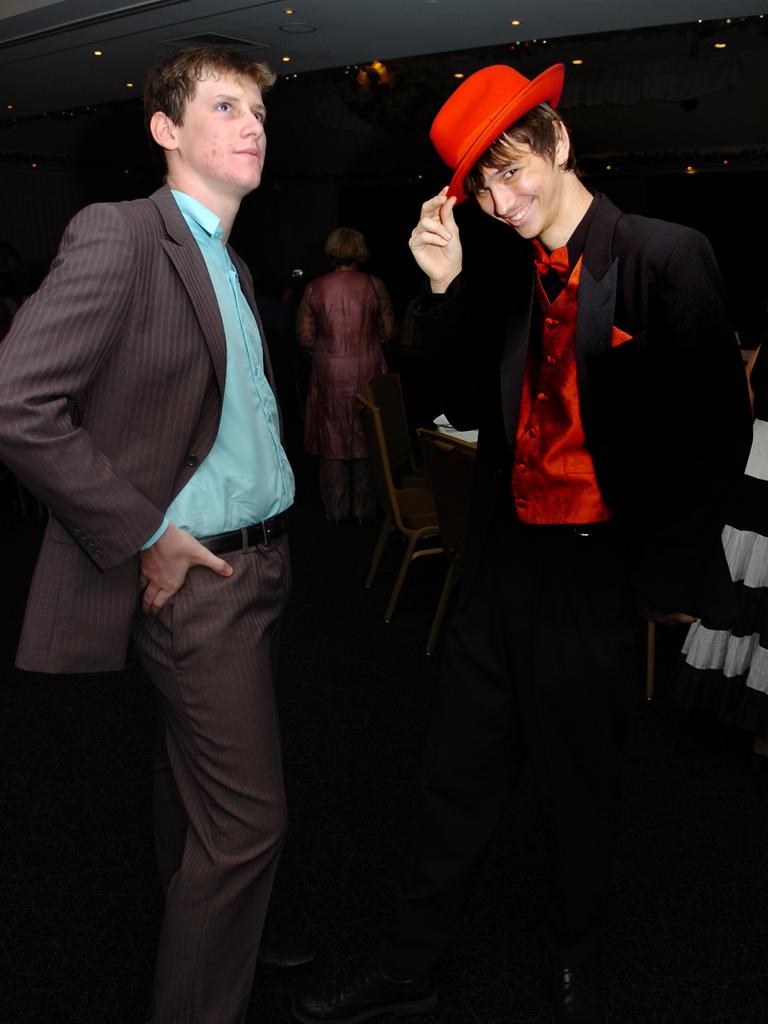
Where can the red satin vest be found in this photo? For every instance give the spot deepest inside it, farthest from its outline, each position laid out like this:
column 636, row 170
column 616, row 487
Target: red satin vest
column 553, row 476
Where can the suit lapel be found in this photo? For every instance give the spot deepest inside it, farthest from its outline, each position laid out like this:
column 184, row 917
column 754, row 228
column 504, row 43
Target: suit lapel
column 596, row 299
column 513, row 364
column 246, row 284
column 184, row 253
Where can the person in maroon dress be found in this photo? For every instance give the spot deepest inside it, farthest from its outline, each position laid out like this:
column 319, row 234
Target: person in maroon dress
column 344, row 318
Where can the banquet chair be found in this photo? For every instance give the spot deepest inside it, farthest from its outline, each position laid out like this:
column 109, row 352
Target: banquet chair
column 386, row 393
column 450, row 463
column 409, row 510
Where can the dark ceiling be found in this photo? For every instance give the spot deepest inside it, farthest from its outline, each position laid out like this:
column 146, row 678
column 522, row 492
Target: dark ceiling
column 47, row 47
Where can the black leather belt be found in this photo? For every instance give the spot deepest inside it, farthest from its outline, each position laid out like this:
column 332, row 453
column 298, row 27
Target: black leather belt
column 246, row 536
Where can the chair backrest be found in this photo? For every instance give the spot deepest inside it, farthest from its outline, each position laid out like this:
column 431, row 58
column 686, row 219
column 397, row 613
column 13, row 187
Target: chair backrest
column 378, row 456
column 450, row 463
column 386, row 393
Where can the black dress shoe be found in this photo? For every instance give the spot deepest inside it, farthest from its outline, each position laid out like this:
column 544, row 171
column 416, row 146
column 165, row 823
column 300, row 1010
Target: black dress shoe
column 366, row 993
column 577, row 997
column 284, row 953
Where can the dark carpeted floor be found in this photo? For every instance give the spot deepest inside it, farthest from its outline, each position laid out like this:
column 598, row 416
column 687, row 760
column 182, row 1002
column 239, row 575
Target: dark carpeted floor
column 80, row 903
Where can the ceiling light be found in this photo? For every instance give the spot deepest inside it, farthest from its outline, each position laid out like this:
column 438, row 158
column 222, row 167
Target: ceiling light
column 690, row 170
column 577, row 60
column 34, row 165
column 458, row 74
column 609, row 167
column 129, row 85
column 725, row 163
column 285, row 60
column 9, row 106
column 515, row 21
column 98, row 53
column 720, row 46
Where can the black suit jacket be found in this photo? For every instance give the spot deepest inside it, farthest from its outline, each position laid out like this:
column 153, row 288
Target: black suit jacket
column 666, row 414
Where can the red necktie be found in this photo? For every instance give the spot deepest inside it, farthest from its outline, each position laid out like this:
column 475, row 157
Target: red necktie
column 551, row 262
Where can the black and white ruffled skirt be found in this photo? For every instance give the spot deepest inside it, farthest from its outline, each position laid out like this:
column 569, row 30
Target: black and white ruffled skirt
column 726, row 671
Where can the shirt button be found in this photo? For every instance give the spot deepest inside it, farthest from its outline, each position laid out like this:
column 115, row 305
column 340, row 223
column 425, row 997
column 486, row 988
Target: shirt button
column 541, row 397
column 551, row 360
column 550, row 321
column 532, row 432
column 521, row 467
column 521, row 502
column 191, row 459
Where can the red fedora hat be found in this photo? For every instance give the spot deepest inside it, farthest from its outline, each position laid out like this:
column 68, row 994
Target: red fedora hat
column 481, row 108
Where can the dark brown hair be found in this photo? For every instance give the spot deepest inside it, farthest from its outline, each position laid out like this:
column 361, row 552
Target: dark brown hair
column 172, row 84
column 537, row 129
column 345, row 246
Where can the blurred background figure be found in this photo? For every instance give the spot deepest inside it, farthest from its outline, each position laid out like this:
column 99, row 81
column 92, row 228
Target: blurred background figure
column 345, row 318
column 726, row 671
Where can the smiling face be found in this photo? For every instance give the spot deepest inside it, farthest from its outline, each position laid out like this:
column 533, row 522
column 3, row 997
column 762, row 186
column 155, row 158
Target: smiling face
column 217, row 153
column 529, row 192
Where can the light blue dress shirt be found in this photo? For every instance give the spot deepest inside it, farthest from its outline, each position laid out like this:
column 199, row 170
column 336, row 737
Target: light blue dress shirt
column 246, row 477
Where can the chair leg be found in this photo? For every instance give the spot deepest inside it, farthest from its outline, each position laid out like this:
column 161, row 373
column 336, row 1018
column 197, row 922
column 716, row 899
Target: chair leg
column 442, row 604
column 407, row 558
column 650, row 661
column 379, row 549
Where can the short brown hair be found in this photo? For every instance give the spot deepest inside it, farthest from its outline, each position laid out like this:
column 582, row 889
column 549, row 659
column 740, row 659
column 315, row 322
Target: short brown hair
column 537, row 129
column 172, row 84
column 345, row 245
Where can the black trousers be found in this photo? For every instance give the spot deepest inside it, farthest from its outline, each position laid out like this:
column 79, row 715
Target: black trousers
column 542, row 660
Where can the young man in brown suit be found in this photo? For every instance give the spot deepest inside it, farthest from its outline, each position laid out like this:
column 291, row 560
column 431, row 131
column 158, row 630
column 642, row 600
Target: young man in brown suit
column 136, row 402
column 608, row 387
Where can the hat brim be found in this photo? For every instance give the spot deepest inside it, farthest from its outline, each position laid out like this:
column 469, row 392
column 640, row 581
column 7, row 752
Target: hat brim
column 545, row 88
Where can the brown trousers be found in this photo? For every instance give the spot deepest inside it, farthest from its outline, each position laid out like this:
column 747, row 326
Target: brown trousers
column 220, row 815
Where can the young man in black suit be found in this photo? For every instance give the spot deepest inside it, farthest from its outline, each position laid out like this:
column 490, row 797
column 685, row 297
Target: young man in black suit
column 613, row 418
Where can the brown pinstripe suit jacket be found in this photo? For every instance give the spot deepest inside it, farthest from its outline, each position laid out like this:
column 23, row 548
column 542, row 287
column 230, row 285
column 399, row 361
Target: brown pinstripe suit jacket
column 111, row 382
